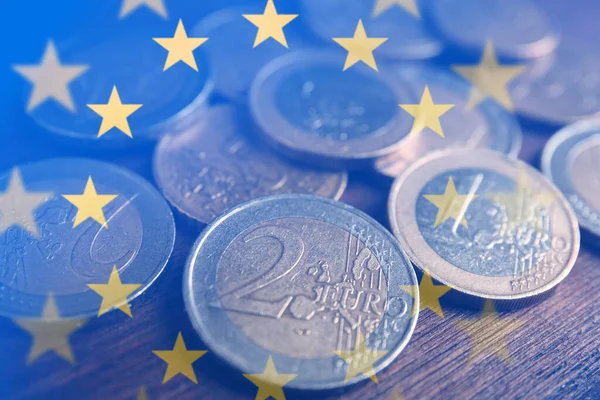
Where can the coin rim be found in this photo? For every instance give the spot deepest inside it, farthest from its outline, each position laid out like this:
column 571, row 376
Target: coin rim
column 485, row 154
column 199, row 326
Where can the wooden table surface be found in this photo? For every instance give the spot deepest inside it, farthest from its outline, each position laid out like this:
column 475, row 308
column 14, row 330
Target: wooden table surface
column 552, row 348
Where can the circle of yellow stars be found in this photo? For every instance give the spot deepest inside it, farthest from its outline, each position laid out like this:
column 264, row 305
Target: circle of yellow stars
column 51, row 80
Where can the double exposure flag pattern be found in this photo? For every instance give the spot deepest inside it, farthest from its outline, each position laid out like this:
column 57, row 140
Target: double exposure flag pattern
column 50, row 79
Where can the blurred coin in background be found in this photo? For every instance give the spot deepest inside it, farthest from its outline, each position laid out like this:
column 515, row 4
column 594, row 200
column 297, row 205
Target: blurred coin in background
column 233, row 58
column 408, row 38
column 488, row 125
column 571, row 159
column 518, row 29
column 484, row 224
column 216, row 165
column 43, row 247
column 311, row 282
column 310, row 109
column 133, row 62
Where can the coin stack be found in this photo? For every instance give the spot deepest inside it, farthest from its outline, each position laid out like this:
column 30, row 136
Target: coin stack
column 263, row 124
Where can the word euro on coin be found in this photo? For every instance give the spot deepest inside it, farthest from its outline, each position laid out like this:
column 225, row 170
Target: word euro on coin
column 215, row 165
column 309, row 108
column 518, row 29
column 133, row 63
column 408, row 38
column 301, row 278
column 488, row 125
column 484, row 224
column 47, row 243
column 571, row 159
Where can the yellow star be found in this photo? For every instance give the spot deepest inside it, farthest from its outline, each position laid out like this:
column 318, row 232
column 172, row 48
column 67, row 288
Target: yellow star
column 129, row 6
column 180, row 47
column 270, row 24
column 360, row 47
column 382, row 6
column 114, row 293
column 50, row 333
column 142, row 394
column 17, row 205
column 50, row 79
column 522, row 204
column 489, row 78
column 488, row 334
column 270, row 383
column 429, row 295
column 114, row 114
column 427, row 114
column 179, row 360
column 450, row 204
column 361, row 360
column 90, row 204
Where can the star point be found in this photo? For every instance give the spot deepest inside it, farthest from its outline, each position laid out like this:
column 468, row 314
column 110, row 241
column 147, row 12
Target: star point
column 488, row 334
column 270, row 24
column 489, row 78
column 142, row 393
column 179, row 360
column 90, row 204
column 381, row 6
column 114, row 114
column 129, row 6
column 427, row 114
column 114, row 293
column 17, row 206
column 50, row 333
column 180, row 47
column 450, row 204
column 270, row 383
column 50, row 79
column 429, row 295
column 361, row 360
column 360, row 47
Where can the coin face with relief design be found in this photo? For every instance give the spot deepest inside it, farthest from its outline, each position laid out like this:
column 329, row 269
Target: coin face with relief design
column 571, row 159
column 41, row 251
column 484, row 224
column 310, row 108
column 216, row 165
column 299, row 278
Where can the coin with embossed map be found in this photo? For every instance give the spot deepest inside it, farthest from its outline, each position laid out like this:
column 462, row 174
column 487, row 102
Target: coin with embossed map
column 518, row 29
column 571, row 159
column 315, row 284
column 233, row 58
column 484, row 224
column 216, row 165
column 488, row 125
column 408, row 37
column 309, row 108
column 49, row 245
column 169, row 98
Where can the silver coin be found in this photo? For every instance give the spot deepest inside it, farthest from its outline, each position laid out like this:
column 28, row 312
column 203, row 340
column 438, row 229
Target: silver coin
column 169, row 98
column 408, row 38
column 233, row 58
column 488, row 125
column 518, row 29
column 571, row 159
column 484, row 224
column 297, row 277
column 561, row 88
column 41, row 251
column 215, row 165
column 307, row 106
